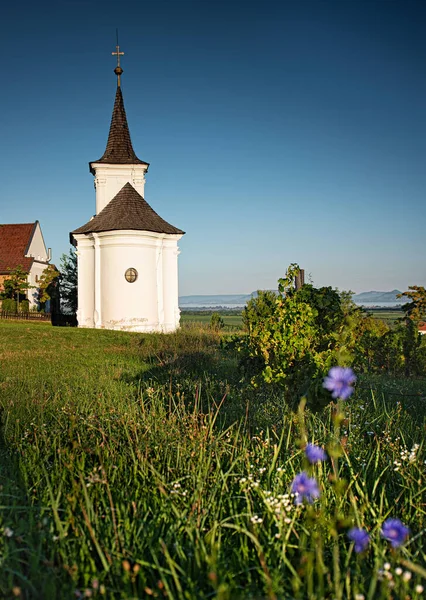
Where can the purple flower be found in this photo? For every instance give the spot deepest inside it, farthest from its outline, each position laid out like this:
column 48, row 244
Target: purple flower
column 395, row 532
column 305, row 488
column 339, row 381
column 315, row 453
column 360, row 538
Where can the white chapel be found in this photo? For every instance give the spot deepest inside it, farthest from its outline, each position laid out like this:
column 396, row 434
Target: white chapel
column 127, row 254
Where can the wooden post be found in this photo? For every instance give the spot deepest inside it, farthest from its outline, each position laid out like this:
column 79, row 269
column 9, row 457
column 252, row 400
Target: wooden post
column 300, row 279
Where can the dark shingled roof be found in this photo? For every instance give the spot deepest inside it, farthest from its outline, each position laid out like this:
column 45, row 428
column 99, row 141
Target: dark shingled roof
column 15, row 240
column 119, row 149
column 127, row 210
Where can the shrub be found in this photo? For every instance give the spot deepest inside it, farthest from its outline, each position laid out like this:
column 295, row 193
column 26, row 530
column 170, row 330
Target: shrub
column 293, row 337
column 24, row 306
column 9, row 305
column 259, row 309
column 216, row 322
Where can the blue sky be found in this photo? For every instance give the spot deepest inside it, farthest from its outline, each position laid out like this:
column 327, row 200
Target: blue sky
column 277, row 132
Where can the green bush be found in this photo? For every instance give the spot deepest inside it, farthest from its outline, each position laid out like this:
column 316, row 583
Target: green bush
column 293, row 338
column 8, row 305
column 259, row 309
column 24, row 306
column 216, row 322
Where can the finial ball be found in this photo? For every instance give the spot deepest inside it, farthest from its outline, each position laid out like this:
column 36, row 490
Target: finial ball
column 118, row 71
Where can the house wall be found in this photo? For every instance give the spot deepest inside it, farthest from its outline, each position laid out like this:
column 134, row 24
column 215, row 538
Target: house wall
column 34, row 275
column 170, row 285
column 38, row 251
column 109, row 179
column 148, row 304
column 37, row 247
column 86, row 281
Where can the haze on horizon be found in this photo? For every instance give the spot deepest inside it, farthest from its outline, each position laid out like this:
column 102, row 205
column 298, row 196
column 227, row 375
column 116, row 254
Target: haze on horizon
column 275, row 132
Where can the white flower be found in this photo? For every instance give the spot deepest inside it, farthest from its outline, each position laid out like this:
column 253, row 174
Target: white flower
column 256, row 520
column 8, row 532
column 398, row 571
column 406, row 576
column 419, row 589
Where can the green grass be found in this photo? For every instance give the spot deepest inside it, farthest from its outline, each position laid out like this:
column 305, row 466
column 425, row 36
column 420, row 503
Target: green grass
column 389, row 316
column 137, row 466
column 231, row 321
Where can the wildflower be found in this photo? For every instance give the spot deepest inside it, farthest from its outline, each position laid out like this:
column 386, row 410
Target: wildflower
column 256, row 520
column 406, row 576
column 395, row 532
column 305, row 488
column 339, row 381
column 315, row 453
column 8, row 532
column 360, row 538
column 398, row 571
column 359, row 597
column 419, row 589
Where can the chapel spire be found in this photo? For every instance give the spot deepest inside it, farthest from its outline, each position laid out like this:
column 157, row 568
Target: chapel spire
column 118, row 70
column 119, row 149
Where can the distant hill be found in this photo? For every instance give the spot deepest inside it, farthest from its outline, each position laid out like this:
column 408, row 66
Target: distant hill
column 230, row 300
column 378, row 297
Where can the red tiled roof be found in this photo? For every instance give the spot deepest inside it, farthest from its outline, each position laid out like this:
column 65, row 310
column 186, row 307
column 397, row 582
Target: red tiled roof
column 422, row 327
column 14, row 242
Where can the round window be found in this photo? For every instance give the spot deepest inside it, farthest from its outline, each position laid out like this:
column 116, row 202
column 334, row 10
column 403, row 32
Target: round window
column 131, row 275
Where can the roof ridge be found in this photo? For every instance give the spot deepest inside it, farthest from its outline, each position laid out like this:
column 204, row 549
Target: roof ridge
column 15, row 224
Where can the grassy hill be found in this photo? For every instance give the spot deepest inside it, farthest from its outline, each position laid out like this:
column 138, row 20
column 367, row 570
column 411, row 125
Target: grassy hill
column 138, row 466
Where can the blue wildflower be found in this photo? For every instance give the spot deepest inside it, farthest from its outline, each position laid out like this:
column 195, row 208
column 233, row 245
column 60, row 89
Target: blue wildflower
column 315, row 453
column 339, row 381
column 360, row 538
column 395, row 532
column 305, row 488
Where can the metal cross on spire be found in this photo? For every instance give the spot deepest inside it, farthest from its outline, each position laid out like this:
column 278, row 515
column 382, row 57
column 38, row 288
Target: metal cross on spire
column 118, row 70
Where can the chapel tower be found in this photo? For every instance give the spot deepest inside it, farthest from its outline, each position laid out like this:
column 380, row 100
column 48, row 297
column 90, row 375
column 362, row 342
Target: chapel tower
column 127, row 254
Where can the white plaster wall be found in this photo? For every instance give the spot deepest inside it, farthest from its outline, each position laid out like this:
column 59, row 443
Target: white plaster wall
column 38, row 251
column 107, row 300
column 34, row 275
column 37, row 247
column 170, row 284
column 86, row 280
column 109, row 179
column 127, row 305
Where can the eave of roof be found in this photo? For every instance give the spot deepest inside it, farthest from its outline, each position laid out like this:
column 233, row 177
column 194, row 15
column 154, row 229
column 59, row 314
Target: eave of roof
column 128, row 210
